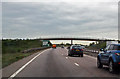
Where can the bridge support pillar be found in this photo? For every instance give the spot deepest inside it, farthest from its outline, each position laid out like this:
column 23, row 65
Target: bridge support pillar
column 71, row 42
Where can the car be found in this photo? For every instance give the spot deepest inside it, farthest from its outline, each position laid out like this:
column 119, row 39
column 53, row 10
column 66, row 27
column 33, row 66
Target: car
column 62, row 46
column 83, row 47
column 54, row 46
column 75, row 50
column 109, row 56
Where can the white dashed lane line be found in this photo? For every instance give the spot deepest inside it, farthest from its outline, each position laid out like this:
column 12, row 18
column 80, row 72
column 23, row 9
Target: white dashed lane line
column 66, row 57
column 76, row 64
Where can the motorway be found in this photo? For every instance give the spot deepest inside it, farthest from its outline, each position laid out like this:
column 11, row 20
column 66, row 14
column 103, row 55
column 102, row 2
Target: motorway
column 56, row 63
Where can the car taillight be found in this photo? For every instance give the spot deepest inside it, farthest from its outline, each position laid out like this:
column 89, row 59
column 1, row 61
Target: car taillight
column 118, row 63
column 72, row 49
column 81, row 49
column 118, row 54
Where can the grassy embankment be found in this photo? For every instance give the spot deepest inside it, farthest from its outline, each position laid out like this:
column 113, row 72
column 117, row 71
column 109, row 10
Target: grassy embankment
column 98, row 46
column 12, row 49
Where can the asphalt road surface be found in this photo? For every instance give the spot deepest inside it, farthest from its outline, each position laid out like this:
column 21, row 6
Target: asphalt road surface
column 56, row 63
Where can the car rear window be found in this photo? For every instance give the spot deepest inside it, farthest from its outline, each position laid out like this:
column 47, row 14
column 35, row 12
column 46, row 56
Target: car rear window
column 116, row 47
column 76, row 47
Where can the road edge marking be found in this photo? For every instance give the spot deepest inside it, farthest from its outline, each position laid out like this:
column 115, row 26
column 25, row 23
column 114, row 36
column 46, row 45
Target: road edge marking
column 25, row 65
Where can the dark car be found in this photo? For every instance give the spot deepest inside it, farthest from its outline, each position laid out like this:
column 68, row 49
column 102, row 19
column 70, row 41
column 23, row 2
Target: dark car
column 75, row 50
column 109, row 56
column 62, row 46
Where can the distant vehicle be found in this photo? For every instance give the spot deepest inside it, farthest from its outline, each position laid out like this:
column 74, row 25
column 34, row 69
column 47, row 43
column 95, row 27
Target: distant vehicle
column 62, row 46
column 83, row 47
column 109, row 56
column 53, row 46
column 75, row 50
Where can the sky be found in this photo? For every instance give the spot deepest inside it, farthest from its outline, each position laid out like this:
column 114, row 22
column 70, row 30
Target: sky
column 35, row 19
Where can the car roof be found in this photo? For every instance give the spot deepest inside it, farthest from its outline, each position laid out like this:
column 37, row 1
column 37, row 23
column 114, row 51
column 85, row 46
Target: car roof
column 76, row 45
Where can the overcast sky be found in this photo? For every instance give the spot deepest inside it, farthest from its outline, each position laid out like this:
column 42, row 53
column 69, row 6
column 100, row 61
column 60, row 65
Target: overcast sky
column 60, row 19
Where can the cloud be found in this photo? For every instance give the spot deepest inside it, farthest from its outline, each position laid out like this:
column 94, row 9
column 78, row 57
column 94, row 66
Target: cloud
column 60, row 1
column 56, row 19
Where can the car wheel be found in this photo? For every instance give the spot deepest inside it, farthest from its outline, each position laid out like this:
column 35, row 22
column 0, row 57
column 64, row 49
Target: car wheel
column 82, row 55
column 99, row 64
column 69, row 55
column 111, row 67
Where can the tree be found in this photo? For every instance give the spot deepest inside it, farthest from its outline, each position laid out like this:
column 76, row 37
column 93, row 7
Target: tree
column 62, row 43
column 91, row 44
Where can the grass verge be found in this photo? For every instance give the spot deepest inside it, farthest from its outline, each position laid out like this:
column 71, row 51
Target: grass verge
column 10, row 58
column 12, row 49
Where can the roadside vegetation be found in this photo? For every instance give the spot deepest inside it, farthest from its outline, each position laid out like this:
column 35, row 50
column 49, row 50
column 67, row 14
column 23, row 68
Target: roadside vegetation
column 97, row 45
column 12, row 50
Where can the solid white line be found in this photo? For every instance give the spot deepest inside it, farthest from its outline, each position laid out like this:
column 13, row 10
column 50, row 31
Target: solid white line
column 76, row 64
column 19, row 70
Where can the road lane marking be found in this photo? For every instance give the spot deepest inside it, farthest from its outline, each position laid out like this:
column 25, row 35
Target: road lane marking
column 76, row 64
column 66, row 57
column 19, row 70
